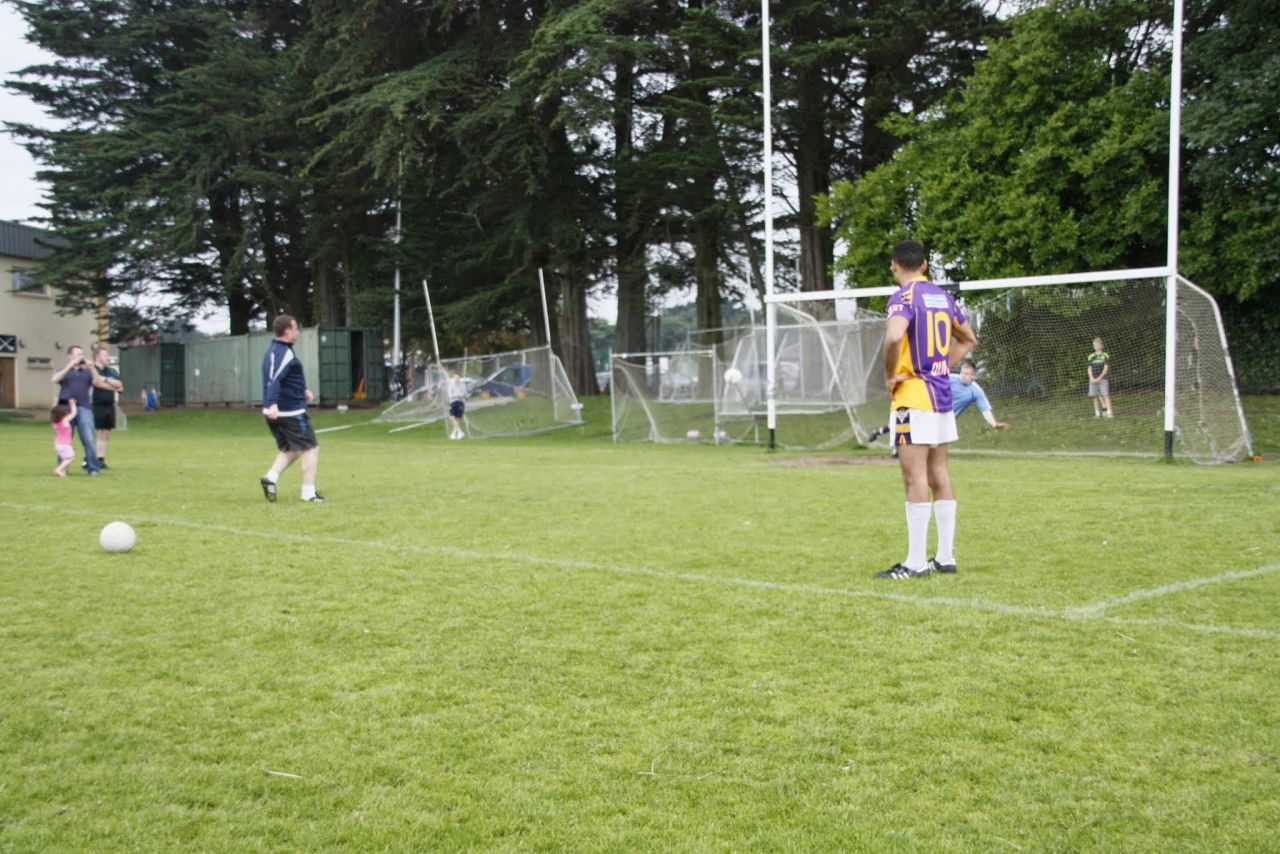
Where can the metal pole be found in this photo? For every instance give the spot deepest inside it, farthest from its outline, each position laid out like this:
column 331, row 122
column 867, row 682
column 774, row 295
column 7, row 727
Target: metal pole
column 431, row 316
column 770, row 312
column 1171, row 285
column 546, row 317
column 396, row 359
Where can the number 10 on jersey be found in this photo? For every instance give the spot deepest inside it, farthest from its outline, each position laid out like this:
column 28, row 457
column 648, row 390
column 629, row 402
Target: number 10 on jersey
column 939, row 323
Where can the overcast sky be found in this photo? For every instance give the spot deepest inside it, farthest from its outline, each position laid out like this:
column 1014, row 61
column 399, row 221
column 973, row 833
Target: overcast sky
column 21, row 192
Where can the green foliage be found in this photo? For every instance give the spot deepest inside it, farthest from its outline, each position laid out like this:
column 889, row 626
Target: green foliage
column 1053, row 158
column 1046, row 161
column 1253, row 328
column 1232, row 138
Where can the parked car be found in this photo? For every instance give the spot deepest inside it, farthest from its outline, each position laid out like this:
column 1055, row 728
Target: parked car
column 506, row 382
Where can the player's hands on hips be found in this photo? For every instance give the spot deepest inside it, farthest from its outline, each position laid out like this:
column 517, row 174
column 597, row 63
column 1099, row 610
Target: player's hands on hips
column 310, row 397
column 273, row 411
column 893, row 382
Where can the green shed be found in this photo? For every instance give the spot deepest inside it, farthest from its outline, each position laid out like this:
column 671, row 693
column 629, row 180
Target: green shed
column 350, row 364
column 155, row 366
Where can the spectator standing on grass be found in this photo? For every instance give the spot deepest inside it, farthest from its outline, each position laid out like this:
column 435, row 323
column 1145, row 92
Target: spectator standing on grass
column 1100, row 379
column 457, row 391
column 927, row 336
column 284, row 403
column 61, row 415
column 106, row 386
column 75, row 381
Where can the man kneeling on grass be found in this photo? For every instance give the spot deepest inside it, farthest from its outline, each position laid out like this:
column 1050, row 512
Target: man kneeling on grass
column 284, row 402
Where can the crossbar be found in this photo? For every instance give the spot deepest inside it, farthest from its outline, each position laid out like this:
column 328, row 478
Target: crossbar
column 980, row 284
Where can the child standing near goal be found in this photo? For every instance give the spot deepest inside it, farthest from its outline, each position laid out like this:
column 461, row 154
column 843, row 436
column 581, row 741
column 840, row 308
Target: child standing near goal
column 1099, row 381
column 927, row 336
column 62, row 415
column 457, row 392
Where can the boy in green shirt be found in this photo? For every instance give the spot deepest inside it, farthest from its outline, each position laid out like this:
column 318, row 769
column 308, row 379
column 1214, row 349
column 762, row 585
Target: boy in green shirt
column 1099, row 382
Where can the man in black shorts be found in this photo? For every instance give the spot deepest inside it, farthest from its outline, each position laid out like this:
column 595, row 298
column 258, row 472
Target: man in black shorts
column 284, row 402
column 105, row 387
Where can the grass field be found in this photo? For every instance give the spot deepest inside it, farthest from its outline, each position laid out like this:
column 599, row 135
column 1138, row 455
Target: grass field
column 558, row 643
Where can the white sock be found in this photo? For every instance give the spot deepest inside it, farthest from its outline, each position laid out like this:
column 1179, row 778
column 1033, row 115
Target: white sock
column 944, row 513
column 308, row 492
column 917, row 535
column 271, row 476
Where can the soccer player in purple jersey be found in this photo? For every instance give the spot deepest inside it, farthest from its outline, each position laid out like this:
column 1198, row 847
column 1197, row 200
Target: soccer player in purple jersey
column 927, row 337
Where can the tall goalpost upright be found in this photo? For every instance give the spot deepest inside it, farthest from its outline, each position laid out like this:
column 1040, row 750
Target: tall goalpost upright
column 770, row 311
column 1171, row 288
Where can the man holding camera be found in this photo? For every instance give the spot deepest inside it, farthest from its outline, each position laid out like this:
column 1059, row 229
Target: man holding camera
column 75, row 382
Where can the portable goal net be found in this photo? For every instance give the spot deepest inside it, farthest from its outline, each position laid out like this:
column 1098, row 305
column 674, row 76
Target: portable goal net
column 827, row 377
column 516, row 393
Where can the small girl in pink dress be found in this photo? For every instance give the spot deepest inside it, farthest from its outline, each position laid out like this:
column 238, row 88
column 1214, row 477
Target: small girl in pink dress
column 61, row 416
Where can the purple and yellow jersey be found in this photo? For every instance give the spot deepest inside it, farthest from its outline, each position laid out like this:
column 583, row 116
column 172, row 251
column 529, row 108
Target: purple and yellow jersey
column 932, row 317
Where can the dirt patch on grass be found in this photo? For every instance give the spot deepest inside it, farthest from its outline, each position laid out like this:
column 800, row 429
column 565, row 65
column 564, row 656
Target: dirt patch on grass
column 828, row 462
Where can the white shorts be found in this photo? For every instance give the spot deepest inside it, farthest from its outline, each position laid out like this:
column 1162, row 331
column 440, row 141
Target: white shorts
column 918, row 427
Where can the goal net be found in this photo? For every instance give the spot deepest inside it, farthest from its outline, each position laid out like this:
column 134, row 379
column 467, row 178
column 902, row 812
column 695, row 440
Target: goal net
column 828, row 383
column 1036, row 342
column 674, row 396
column 516, row 393
column 1033, row 361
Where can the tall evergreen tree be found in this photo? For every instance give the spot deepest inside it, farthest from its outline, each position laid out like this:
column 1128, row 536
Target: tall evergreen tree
column 157, row 178
column 845, row 69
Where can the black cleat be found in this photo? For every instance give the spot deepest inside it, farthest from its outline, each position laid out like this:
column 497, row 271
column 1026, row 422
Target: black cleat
column 948, row 568
column 268, row 489
column 899, row 571
column 317, row 498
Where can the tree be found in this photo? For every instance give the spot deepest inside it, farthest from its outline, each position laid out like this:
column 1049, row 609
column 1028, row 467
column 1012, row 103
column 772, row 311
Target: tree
column 846, row 69
column 1053, row 158
column 167, row 157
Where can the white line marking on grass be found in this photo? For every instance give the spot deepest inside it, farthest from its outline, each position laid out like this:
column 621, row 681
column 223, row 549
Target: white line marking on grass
column 336, row 429
column 410, row 426
column 1101, row 605
column 1079, row 614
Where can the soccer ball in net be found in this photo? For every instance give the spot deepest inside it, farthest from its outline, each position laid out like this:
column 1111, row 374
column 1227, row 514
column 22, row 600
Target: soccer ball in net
column 733, row 376
column 117, row 537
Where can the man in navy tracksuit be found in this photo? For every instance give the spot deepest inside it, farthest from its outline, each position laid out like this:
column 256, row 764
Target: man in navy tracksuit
column 284, row 402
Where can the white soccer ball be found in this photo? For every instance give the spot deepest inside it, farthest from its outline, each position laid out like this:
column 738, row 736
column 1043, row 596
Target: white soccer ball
column 693, row 435
column 117, row 537
column 733, row 376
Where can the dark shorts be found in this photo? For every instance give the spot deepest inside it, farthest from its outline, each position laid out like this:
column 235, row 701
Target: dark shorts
column 456, row 408
column 104, row 416
column 293, row 432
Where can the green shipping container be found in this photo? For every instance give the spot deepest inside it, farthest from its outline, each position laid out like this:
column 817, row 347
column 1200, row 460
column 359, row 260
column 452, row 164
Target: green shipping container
column 155, row 366
column 350, row 364
column 219, row 371
column 341, row 364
